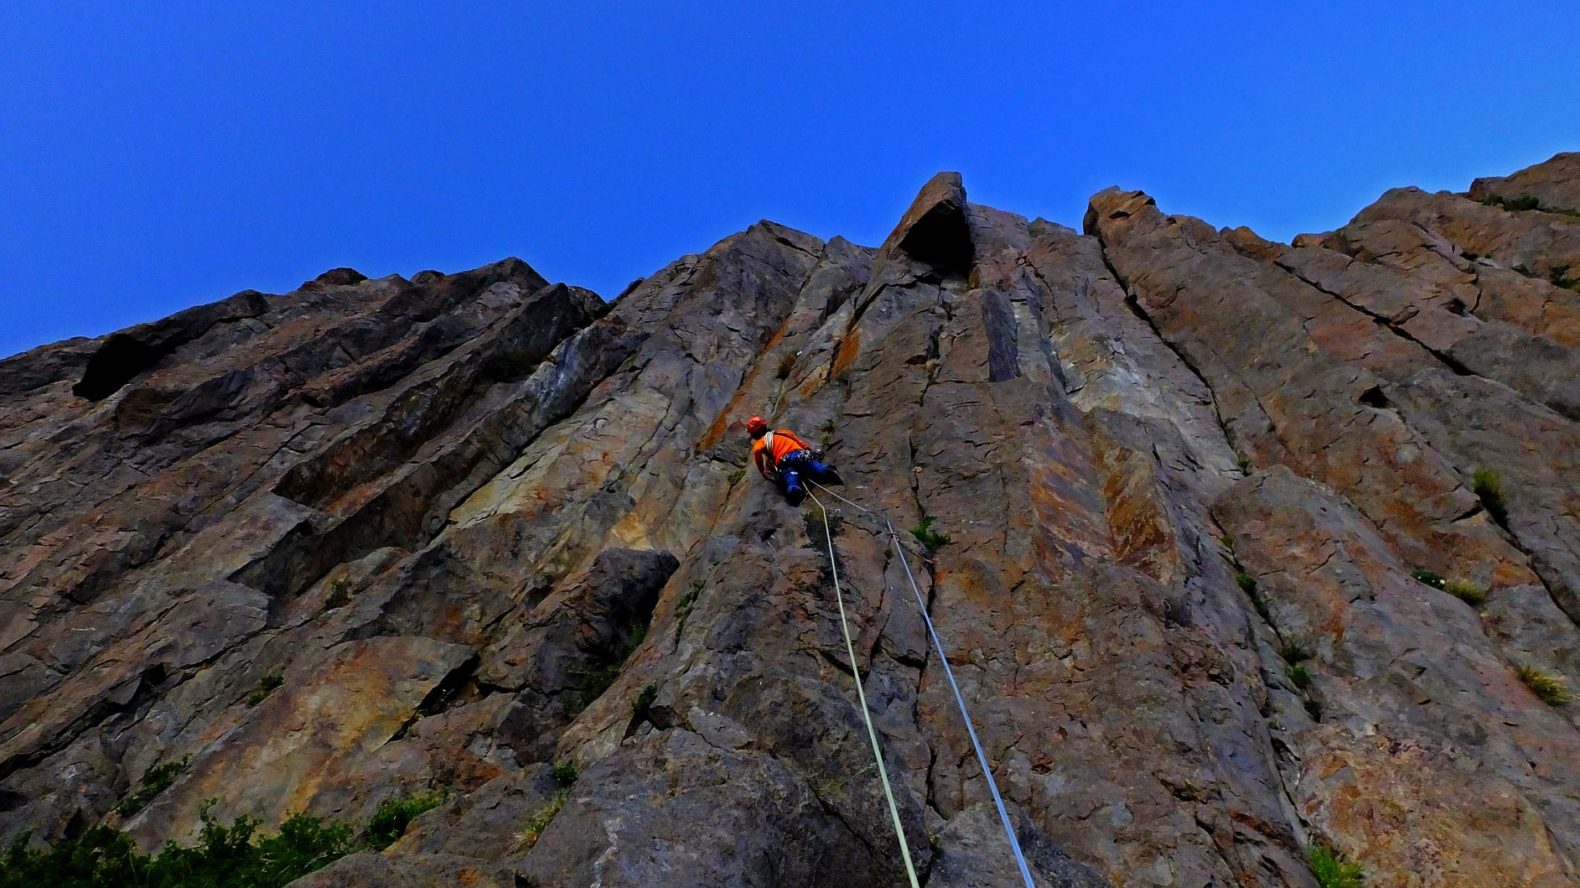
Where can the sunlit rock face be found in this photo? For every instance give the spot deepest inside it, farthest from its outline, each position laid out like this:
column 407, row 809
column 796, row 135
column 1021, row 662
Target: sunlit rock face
column 375, row 537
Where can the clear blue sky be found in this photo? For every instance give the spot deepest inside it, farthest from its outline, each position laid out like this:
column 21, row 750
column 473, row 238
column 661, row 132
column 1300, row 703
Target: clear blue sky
column 158, row 155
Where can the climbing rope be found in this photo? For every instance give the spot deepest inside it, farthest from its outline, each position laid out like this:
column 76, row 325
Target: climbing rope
column 866, row 715
column 938, row 645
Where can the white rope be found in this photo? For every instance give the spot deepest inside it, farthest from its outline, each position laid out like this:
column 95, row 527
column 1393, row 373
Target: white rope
column 938, row 645
column 866, row 715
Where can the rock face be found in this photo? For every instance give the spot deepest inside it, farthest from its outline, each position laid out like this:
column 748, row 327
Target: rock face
column 379, row 536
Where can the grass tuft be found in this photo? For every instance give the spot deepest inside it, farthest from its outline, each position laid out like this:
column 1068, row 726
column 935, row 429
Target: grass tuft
column 1549, row 688
column 1332, row 870
column 564, row 773
column 1299, row 676
column 339, row 594
column 389, row 822
column 687, row 600
column 644, row 701
column 1293, row 653
column 155, row 781
column 537, row 823
column 266, row 686
column 1485, row 484
column 924, row 533
column 1466, row 591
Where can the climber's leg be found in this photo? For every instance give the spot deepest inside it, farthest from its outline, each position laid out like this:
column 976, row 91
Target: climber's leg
column 791, row 479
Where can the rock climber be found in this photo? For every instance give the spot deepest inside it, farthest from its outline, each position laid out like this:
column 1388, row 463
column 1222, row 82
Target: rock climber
column 784, row 458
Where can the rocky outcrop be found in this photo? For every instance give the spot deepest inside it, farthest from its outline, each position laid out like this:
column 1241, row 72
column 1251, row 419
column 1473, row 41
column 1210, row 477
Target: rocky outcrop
column 373, row 537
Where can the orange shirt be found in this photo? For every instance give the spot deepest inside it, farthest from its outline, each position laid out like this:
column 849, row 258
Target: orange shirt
column 768, row 450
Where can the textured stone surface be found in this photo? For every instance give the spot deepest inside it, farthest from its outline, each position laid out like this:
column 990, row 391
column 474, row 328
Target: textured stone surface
column 477, row 525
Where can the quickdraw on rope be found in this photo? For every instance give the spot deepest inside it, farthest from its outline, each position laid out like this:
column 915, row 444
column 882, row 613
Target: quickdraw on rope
column 866, row 715
column 938, row 645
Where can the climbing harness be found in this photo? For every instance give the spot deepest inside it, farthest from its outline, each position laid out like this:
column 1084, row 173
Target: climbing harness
column 866, row 714
column 938, row 646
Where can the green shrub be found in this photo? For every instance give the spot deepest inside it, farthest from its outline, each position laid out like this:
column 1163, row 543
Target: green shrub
column 600, row 675
column 1430, row 577
column 535, row 825
column 266, row 686
column 339, row 594
column 1466, row 591
column 1549, row 688
column 1333, row 870
column 1247, row 584
column 1486, row 485
column 224, row 856
column 389, row 822
column 644, row 701
column 1313, row 708
column 924, row 533
column 1299, row 676
column 1293, row 653
column 155, row 781
column 1521, row 203
column 687, row 600
column 564, row 773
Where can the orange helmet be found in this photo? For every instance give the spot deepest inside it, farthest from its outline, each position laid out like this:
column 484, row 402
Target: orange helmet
column 756, row 426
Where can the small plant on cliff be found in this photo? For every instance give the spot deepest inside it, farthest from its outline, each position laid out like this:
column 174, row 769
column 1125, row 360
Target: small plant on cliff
column 1333, row 870
column 644, row 701
column 786, row 364
column 1244, row 462
column 389, row 822
column 924, row 533
column 537, row 823
column 1299, row 676
column 564, row 773
column 1466, row 591
column 339, row 594
column 266, row 686
column 1293, row 653
column 1560, row 278
column 1429, row 577
column 1549, row 688
column 601, row 674
column 1486, row 485
column 1247, row 584
column 154, row 782
column 688, row 600
column 736, row 476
